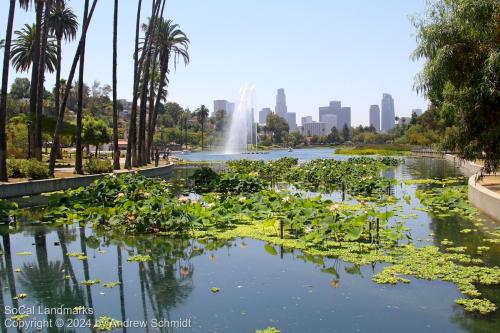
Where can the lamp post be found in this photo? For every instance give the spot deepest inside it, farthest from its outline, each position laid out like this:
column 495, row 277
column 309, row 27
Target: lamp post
column 28, row 123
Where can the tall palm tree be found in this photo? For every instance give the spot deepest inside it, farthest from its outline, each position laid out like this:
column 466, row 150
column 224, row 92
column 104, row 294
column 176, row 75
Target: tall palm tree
column 79, row 111
column 3, row 92
column 202, row 114
column 63, row 25
column 24, row 49
column 172, row 44
column 116, row 148
column 131, row 156
column 69, row 82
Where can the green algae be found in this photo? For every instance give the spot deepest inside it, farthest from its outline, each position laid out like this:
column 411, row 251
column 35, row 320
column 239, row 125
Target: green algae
column 90, row 282
column 111, row 284
column 269, row 330
column 483, row 306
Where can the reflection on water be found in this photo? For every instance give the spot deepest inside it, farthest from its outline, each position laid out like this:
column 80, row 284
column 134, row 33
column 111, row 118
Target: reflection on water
column 260, row 285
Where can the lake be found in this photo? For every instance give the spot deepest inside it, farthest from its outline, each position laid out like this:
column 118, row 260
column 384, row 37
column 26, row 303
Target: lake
column 260, row 285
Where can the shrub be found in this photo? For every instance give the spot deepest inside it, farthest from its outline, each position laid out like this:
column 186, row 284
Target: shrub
column 98, row 165
column 33, row 169
column 204, row 180
column 236, row 183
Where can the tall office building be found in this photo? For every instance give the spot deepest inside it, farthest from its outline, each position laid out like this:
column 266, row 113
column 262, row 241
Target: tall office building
column 375, row 117
column 263, row 115
column 344, row 117
column 306, row 120
column 388, row 113
column 332, row 109
column 342, row 114
column 331, row 121
column 230, row 108
column 315, row 129
column 281, row 108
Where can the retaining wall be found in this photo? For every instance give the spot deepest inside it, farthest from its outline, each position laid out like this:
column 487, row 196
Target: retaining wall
column 484, row 199
column 33, row 187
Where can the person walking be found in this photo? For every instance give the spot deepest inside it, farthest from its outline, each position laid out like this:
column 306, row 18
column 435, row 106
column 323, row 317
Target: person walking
column 157, row 157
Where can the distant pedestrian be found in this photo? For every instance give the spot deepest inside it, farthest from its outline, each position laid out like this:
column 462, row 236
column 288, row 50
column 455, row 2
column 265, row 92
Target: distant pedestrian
column 168, row 153
column 157, row 157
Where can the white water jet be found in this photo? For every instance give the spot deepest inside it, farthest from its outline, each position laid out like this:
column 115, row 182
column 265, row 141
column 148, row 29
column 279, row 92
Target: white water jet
column 241, row 130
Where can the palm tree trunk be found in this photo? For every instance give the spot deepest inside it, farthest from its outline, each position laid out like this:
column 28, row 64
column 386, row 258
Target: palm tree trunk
column 151, row 108
column 121, row 286
column 34, row 79
column 79, row 111
column 57, row 93
column 154, row 115
column 3, row 94
column 41, row 80
column 202, row 130
column 131, row 157
column 60, row 117
column 116, row 148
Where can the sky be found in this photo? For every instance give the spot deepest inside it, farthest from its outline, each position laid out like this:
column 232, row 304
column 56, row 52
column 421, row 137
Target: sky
column 317, row 50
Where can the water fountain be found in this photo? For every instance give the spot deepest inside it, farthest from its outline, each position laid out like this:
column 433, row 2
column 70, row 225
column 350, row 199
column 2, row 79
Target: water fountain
column 241, row 131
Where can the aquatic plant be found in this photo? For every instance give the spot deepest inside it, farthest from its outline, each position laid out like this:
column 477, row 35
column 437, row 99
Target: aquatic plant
column 269, row 330
column 105, row 323
column 482, row 306
column 139, row 258
column 445, row 201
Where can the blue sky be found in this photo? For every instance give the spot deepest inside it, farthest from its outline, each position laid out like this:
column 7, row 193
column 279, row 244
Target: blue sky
column 318, row 50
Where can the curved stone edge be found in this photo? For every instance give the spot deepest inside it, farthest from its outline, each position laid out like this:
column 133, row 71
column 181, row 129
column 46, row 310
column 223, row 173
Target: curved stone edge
column 484, row 199
column 33, row 187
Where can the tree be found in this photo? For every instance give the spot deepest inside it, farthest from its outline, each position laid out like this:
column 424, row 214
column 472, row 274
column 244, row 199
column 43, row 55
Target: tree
column 334, row 136
column 461, row 76
column 20, row 88
column 3, row 92
column 276, row 125
column 24, row 50
column 63, row 25
column 131, row 156
column 95, row 132
column 201, row 115
column 346, row 134
column 79, row 110
column 116, row 147
column 172, row 43
column 60, row 116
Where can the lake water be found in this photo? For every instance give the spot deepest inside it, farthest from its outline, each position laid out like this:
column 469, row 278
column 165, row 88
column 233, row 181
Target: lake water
column 260, row 286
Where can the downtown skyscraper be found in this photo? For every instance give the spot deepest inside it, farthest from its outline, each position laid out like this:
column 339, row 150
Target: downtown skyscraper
column 375, row 117
column 282, row 110
column 388, row 113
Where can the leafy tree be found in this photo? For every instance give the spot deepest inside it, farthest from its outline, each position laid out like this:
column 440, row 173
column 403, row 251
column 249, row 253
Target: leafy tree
column 20, row 88
column 95, row 132
column 276, row 125
column 461, row 76
column 334, row 136
column 346, row 133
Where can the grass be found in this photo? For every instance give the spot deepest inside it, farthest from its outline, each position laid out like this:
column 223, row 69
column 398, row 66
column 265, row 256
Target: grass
column 379, row 150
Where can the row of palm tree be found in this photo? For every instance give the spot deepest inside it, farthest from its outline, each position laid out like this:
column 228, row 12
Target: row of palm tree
column 164, row 44
column 39, row 47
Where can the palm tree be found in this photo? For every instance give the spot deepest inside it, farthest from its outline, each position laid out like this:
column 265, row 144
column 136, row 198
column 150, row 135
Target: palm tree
column 131, row 156
column 24, row 49
column 202, row 114
column 172, row 43
column 63, row 25
column 116, row 148
column 79, row 111
column 69, row 82
column 3, row 93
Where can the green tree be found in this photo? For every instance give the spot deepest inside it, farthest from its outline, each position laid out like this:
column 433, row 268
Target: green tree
column 20, row 88
column 276, row 125
column 95, row 132
column 461, row 76
column 346, row 134
column 202, row 115
column 63, row 25
column 334, row 136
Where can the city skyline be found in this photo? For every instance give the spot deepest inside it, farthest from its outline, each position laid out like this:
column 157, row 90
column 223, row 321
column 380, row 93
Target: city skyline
column 216, row 72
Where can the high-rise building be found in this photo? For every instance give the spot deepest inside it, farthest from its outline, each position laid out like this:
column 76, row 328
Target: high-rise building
column 418, row 112
column 220, row 104
column 263, row 115
column 344, row 117
column 281, row 108
column 291, row 119
column 331, row 121
column 388, row 113
column 230, row 108
column 331, row 109
column 306, row 120
column 375, row 117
